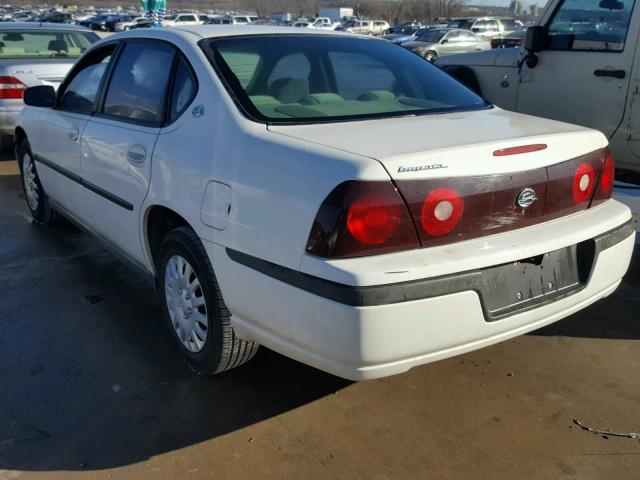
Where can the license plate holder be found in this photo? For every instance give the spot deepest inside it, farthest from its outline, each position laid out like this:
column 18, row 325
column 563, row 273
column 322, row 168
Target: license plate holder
column 528, row 283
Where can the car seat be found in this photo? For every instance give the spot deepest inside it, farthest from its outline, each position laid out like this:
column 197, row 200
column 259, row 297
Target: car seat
column 58, row 46
column 289, row 90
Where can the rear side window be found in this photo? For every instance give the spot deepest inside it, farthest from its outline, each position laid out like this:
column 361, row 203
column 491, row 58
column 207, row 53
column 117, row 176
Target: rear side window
column 184, row 89
column 80, row 93
column 138, row 87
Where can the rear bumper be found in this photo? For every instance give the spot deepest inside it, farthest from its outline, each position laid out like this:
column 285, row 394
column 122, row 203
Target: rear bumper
column 368, row 332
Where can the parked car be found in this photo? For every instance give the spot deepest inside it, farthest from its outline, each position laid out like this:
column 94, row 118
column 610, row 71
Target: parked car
column 57, row 17
column 112, row 21
column 571, row 73
column 511, row 40
column 365, row 27
column 489, row 27
column 99, row 22
column 232, row 20
column 389, row 255
column 461, row 22
column 401, row 35
column 34, row 54
column 302, row 25
column 144, row 23
column 130, row 23
column 437, row 42
column 181, row 19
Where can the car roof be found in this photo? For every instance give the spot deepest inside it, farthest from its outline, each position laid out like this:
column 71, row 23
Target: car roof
column 40, row 26
column 212, row 31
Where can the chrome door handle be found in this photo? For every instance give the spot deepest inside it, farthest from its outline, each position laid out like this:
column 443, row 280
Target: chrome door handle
column 74, row 133
column 137, row 154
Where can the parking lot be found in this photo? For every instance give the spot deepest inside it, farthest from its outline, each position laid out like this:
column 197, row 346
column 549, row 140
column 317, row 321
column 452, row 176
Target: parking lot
column 93, row 387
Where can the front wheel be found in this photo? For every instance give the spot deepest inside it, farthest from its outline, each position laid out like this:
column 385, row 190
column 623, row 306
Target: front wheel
column 430, row 56
column 34, row 194
column 193, row 306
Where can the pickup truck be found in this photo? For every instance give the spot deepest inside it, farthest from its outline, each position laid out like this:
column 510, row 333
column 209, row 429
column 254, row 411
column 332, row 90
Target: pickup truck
column 580, row 64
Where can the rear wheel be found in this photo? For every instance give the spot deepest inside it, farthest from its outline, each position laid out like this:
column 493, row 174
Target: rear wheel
column 34, row 194
column 194, row 308
column 430, row 56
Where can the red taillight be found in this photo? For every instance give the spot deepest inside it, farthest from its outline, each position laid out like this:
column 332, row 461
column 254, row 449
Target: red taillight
column 608, row 174
column 362, row 218
column 11, row 88
column 441, row 211
column 584, row 182
column 373, row 218
column 605, row 185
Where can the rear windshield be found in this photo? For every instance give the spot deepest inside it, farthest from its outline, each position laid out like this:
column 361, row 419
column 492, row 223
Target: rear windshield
column 306, row 78
column 44, row 44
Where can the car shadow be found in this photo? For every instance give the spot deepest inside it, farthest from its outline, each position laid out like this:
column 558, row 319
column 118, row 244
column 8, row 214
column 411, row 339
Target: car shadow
column 90, row 376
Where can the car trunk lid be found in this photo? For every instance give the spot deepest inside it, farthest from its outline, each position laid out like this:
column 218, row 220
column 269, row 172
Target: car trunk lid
column 464, row 175
column 32, row 72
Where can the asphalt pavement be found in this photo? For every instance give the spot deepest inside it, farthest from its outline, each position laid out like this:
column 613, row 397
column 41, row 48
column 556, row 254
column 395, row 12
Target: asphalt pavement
column 93, row 387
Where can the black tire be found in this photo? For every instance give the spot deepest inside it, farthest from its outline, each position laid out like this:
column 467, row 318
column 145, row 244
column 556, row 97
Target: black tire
column 222, row 349
column 43, row 212
column 430, row 56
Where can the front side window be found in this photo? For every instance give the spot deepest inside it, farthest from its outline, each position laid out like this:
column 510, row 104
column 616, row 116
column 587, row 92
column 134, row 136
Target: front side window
column 302, row 78
column 45, row 44
column 79, row 95
column 593, row 25
column 138, row 86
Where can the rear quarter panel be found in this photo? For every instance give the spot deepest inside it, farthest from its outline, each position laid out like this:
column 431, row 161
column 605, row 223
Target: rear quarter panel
column 276, row 183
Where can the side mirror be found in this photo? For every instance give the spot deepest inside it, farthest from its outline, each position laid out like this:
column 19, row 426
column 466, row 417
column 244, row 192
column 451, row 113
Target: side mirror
column 444, row 40
column 534, row 41
column 40, row 96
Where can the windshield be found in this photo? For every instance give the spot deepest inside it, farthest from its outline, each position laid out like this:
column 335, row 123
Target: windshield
column 431, row 36
column 303, row 78
column 45, row 44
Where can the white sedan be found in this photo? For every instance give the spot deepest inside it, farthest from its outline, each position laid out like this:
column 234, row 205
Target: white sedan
column 332, row 197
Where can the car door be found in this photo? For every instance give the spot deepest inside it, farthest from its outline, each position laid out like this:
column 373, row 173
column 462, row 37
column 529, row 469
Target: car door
column 469, row 42
column 118, row 142
column 583, row 72
column 55, row 140
column 449, row 44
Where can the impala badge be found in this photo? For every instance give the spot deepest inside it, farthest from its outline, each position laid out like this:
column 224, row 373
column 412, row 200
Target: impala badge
column 526, row 197
column 420, row 168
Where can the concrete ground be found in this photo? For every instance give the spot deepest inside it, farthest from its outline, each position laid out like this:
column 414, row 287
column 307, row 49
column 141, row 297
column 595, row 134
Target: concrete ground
column 91, row 386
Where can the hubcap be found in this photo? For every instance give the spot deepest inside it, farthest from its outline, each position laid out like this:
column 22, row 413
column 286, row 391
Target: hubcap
column 185, row 302
column 30, row 184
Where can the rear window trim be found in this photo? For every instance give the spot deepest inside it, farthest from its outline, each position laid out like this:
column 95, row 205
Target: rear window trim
column 246, row 107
